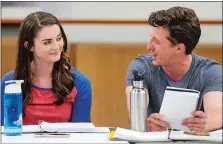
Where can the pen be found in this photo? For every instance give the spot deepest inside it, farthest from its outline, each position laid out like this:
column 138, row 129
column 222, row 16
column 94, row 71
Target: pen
column 199, row 103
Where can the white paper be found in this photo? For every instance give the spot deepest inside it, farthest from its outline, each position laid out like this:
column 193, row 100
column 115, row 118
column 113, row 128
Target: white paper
column 63, row 127
column 179, row 135
column 134, row 136
column 178, row 105
column 73, row 127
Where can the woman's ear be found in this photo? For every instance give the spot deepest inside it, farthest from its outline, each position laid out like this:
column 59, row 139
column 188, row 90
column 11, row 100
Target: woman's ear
column 26, row 45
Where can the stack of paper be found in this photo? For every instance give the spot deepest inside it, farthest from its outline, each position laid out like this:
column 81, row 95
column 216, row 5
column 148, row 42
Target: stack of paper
column 63, row 127
column 72, row 127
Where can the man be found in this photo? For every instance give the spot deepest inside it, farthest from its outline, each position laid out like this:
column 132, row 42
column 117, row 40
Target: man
column 175, row 33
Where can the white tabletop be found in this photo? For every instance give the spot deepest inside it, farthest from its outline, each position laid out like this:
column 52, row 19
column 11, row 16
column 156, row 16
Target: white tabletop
column 182, row 142
column 93, row 138
column 90, row 138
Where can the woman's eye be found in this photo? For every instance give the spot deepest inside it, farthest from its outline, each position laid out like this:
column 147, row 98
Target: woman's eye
column 59, row 38
column 47, row 42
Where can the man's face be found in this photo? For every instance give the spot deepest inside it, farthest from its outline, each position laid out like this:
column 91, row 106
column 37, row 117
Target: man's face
column 48, row 44
column 162, row 49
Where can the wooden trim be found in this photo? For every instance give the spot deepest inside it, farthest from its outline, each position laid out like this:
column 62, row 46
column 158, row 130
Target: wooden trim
column 102, row 21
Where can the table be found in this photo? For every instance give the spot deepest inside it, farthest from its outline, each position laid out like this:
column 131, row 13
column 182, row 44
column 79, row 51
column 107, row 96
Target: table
column 181, row 142
column 90, row 138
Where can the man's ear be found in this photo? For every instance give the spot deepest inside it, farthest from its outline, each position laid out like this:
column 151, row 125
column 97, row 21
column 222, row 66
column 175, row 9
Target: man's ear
column 180, row 47
column 26, row 45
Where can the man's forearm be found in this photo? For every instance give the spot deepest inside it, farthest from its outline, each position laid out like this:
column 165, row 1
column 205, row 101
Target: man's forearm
column 214, row 121
column 127, row 93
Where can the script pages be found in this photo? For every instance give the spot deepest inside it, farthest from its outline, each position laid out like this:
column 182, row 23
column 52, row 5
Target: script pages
column 178, row 104
column 134, row 136
column 63, row 128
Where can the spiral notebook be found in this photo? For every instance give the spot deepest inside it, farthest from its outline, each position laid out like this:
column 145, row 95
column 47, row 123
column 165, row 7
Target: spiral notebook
column 178, row 104
column 63, row 128
column 168, row 135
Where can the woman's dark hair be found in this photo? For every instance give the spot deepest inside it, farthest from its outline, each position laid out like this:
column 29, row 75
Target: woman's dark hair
column 182, row 24
column 62, row 77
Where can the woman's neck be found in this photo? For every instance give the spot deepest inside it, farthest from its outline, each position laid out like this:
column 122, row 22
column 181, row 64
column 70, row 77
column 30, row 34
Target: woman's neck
column 42, row 74
column 177, row 70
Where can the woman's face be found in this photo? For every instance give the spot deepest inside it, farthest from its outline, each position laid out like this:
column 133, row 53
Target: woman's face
column 48, row 44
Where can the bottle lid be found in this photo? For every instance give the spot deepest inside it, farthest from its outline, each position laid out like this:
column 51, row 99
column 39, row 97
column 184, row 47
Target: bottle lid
column 14, row 81
column 13, row 86
column 138, row 76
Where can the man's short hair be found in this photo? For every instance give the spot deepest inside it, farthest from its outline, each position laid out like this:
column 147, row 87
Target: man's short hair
column 182, row 24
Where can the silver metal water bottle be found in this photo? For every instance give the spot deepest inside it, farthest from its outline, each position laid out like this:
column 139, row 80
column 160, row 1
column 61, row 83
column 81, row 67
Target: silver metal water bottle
column 138, row 103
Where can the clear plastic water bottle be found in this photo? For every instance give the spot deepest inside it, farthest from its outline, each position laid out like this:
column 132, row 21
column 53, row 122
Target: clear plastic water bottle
column 13, row 108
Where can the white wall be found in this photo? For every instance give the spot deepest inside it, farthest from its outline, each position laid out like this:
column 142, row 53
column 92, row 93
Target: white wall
column 128, row 33
column 141, row 10
column 119, row 10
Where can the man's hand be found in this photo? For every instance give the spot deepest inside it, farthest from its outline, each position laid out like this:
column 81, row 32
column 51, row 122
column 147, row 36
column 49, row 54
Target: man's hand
column 197, row 123
column 155, row 123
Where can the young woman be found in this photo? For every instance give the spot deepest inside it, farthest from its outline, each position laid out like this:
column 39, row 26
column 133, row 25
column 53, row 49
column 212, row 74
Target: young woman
column 53, row 90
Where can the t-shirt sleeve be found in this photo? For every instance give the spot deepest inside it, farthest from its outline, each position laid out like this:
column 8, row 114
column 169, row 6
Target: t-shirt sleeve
column 214, row 78
column 82, row 105
column 139, row 65
column 8, row 76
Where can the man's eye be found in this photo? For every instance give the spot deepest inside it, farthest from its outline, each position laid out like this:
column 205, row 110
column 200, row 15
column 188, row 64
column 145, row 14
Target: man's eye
column 157, row 42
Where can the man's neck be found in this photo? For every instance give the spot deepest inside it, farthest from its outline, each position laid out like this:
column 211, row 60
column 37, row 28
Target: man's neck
column 177, row 70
